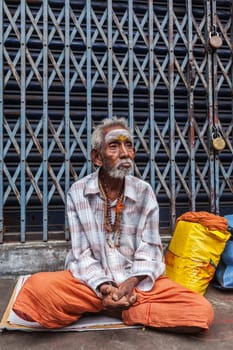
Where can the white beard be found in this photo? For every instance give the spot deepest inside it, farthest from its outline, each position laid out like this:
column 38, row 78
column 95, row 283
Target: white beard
column 120, row 173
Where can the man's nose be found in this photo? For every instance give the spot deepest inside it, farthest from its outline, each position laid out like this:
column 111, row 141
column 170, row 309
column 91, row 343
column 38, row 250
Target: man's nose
column 123, row 151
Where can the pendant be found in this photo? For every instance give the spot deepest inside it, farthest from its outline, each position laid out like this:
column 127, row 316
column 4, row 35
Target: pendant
column 113, row 239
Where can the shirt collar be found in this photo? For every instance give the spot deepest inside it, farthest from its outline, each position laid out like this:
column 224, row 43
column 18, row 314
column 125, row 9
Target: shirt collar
column 131, row 188
column 92, row 186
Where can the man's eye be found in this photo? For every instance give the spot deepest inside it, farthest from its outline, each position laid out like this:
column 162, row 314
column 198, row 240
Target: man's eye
column 113, row 145
column 129, row 144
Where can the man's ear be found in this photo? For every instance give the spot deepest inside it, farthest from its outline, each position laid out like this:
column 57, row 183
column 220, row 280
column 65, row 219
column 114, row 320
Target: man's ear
column 96, row 158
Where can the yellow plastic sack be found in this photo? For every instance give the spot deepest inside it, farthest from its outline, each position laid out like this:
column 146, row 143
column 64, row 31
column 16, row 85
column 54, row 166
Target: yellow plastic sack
column 195, row 250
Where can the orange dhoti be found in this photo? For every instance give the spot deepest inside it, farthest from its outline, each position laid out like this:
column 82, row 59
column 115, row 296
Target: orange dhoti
column 57, row 299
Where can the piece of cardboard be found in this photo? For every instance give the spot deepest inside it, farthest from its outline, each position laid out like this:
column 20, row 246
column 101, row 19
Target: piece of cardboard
column 10, row 321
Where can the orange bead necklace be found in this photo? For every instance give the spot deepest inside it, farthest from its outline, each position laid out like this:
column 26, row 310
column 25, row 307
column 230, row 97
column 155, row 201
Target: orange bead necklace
column 113, row 230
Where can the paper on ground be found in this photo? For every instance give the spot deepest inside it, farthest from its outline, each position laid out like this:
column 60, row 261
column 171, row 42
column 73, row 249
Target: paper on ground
column 11, row 321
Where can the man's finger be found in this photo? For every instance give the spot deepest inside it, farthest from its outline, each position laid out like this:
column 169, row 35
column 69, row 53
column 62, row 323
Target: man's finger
column 110, row 303
column 115, row 297
column 105, row 290
column 133, row 299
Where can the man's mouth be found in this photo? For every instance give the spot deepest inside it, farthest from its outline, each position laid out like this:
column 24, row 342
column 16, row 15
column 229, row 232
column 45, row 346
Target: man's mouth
column 124, row 165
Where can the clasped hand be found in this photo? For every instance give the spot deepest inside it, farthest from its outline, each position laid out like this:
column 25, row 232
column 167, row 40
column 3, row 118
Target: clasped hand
column 118, row 297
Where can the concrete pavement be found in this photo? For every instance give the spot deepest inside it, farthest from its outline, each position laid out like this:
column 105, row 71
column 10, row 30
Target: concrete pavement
column 219, row 337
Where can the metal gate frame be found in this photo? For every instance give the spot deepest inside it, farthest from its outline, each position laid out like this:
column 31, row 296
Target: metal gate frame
column 67, row 64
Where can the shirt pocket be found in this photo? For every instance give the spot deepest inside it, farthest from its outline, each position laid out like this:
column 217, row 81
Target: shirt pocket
column 128, row 240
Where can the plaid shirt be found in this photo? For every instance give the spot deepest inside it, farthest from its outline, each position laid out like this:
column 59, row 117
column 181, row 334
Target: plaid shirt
column 91, row 260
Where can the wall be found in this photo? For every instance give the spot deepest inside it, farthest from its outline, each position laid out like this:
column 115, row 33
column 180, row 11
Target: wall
column 27, row 258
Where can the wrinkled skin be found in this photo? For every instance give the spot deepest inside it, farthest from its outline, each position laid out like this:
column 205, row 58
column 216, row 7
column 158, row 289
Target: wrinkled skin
column 121, row 297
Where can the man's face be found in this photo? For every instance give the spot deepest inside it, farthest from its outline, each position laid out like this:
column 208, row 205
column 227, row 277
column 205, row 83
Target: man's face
column 117, row 152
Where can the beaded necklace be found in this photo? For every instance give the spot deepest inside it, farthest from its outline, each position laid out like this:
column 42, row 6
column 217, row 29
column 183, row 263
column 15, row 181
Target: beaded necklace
column 113, row 230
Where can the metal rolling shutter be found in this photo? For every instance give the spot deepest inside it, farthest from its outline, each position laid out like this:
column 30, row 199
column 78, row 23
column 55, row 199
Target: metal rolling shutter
column 67, row 64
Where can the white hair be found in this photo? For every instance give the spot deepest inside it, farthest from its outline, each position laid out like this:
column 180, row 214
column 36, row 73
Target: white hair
column 98, row 133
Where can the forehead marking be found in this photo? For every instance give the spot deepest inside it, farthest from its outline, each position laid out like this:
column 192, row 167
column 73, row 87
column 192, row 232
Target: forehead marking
column 118, row 134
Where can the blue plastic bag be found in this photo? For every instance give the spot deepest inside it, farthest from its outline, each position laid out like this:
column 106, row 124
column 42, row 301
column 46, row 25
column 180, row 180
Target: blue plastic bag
column 230, row 222
column 224, row 271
